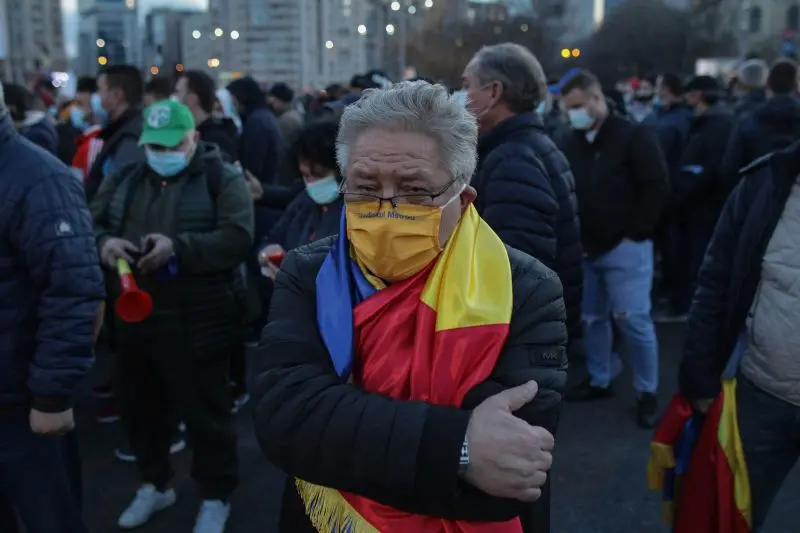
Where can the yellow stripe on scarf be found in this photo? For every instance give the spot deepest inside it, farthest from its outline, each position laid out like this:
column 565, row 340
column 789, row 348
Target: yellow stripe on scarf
column 329, row 511
column 731, row 443
column 470, row 285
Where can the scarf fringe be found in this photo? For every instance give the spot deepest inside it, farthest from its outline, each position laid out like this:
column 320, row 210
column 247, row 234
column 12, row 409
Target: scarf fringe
column 329, row 512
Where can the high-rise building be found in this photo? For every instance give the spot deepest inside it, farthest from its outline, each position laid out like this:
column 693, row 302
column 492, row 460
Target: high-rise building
column 34, row 37
column 108, row 34
column 163, row 38
column 196, row 44
column 300, row 42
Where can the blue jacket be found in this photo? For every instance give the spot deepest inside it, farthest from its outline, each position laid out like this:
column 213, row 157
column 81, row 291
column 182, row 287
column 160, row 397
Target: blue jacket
column 731, row 270
column 40, row 130
column 51, row 285
column 671, row 125
column 526, row 193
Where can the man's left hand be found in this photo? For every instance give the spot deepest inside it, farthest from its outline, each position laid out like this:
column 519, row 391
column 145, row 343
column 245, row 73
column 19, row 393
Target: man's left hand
column 158, row 250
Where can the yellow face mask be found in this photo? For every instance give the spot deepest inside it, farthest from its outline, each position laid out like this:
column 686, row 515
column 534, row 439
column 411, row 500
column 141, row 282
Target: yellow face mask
column 394, row 243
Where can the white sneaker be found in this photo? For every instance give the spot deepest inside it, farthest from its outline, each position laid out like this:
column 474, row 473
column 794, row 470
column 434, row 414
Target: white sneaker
column 212, row 517
column 147, row 501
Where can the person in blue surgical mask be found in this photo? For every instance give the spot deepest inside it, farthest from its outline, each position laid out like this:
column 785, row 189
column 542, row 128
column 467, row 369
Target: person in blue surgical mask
column 315, row 214
column 183, row 221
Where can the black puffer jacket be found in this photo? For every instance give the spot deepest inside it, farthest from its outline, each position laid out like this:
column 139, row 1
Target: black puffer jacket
column 313, row 425
column 526, row 193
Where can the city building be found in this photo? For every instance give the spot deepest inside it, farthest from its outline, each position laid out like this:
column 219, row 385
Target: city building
column 34, row 35
column 300, row 42
column 163, row 46
column 195, row 42
column 108, row 34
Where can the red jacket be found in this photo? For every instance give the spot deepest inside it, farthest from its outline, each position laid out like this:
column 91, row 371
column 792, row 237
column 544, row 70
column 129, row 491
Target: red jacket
column 88, row 146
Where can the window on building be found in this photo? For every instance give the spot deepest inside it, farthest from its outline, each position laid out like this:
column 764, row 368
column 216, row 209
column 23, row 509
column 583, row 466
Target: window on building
column 754, row 19
column 793, row 18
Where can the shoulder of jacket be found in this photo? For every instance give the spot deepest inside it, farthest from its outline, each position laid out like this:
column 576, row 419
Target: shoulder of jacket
column 313, row 254
column 527, row 269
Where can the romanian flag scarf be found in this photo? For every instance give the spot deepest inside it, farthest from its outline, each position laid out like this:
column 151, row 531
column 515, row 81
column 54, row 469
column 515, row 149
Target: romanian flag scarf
column 432, row 338
column 698, row 464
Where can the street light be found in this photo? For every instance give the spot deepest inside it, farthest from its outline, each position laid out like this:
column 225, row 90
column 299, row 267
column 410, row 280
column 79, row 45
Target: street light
column 154, row 70
column 196, row 34
column 102, row 60
column 395, row 6
column 218, row 32
column 100, row 43
column 576, row 52
column 179, row 67
column 390, row 29
column 524, row 28
column 565, row 53
column 362, row 30
column 412, row 10
column 213, row 62
column 234, row 35
column 429, row 3
column 329, row 44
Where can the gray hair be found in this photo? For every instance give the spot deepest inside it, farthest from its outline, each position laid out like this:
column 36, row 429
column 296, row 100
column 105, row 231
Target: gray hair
column 417, row 107
column 753, row 73
column 517, row 69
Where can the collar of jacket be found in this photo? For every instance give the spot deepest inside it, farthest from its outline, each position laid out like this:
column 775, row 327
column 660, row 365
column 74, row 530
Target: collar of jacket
column 500, row 133
column 7, row 131
column 785, row 165
column 123, row 120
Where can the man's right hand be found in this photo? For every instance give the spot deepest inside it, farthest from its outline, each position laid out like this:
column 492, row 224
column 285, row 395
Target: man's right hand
column 115, row 248
column 702, row 405
column 270, row 268
column 508, row 457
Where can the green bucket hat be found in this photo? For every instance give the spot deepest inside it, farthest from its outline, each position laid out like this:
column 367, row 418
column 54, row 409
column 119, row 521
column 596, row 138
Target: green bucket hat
column 166, row 124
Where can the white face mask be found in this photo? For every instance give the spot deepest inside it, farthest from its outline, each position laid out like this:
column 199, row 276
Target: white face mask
column 460, row 97
column 580, row 119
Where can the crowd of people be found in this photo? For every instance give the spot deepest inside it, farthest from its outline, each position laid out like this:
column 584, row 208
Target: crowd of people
column 415, row 266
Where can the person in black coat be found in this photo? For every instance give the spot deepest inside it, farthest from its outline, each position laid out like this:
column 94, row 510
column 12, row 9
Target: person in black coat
column 197, row 91
column 743, row 322
column 408, row 153
column 526, row 191
column 698, row 188
column 772, row 125
column 622, row 184
column 51, row 294
column 32, row 123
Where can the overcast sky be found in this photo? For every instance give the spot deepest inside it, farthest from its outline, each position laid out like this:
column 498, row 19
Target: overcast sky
column 71, row 16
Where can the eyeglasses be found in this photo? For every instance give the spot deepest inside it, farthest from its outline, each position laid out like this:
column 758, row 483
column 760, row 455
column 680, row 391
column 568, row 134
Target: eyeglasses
column 420, row 198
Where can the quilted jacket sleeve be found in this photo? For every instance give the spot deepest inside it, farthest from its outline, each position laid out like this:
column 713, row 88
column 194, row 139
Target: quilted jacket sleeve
column 519, row 202
column 57, row 246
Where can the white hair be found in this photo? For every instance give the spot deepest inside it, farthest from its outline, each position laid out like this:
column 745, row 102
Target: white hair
column 417, row 107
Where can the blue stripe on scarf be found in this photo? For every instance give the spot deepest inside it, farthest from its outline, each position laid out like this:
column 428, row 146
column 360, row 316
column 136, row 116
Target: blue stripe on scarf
column 340, row 287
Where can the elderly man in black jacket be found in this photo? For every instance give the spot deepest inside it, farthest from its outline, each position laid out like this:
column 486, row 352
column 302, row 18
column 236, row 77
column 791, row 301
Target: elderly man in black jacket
column 525, row 188
column 622, row 184
column 51, row 292
column 352, row 400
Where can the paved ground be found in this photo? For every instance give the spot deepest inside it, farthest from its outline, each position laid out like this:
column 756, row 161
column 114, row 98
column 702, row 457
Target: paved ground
column 599, row 484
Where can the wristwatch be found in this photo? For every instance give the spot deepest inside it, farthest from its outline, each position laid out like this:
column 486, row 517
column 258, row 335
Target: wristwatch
column 463, row 460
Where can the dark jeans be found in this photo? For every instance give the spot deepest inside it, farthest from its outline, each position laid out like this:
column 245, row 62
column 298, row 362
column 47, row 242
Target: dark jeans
column 154, row 373
column 39, row 477
column 770, row 430
column 690, row 242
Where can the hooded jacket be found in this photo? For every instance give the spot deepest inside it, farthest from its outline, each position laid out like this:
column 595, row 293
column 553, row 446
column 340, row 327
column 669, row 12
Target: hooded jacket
column 120, row 147
column 261, row 144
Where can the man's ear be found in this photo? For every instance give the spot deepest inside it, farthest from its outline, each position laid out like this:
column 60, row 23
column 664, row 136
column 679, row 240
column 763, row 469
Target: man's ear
column 468, row 196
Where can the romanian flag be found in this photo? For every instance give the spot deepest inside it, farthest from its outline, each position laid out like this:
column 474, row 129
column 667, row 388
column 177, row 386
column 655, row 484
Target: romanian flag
column 698, row 464
column 447, row 323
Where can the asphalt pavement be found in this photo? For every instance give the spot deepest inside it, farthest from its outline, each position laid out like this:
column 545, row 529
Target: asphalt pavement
column 598, row 475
